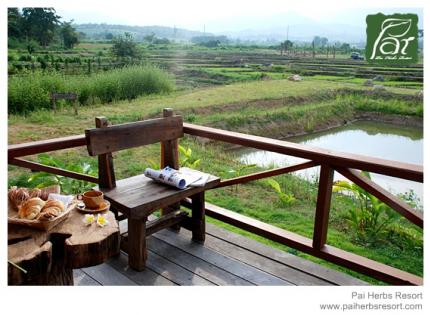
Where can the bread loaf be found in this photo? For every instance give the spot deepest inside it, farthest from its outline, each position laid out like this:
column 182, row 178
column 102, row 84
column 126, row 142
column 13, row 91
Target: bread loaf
column 31, row 208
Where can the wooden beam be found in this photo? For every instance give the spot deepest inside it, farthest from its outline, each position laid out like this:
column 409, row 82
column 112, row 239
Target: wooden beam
column 264, row 174
column 322, row 212
column 165, row 221
column 130, row 135
column 414, row 216
column 105, row 162
column 335, row 255
column 34, row 166
column 321, row 156
column 30, row 148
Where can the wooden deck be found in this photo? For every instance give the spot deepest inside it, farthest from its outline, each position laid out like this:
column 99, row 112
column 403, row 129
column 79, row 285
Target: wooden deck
column 226, row 258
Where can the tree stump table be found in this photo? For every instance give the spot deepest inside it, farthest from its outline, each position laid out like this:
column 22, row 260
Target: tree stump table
column 49, row 257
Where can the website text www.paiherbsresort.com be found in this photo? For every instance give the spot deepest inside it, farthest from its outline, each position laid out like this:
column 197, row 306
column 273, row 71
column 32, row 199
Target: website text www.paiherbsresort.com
column 368, row 306
column 376, row 301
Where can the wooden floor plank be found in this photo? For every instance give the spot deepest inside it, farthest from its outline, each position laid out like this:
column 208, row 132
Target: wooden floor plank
column 194, row 264
column 145, row 277
column 261, row 262
column 283, row 257
column 107, row 275
column 173, row 272
column 80, row 278
column 238, row 268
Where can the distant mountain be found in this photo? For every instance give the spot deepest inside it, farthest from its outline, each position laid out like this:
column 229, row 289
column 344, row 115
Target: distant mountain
column 303, row 32
column 99, row 31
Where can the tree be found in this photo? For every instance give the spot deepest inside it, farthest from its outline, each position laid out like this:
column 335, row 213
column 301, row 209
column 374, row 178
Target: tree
column 286, row 46
column 320, row 41
column 345, row 47
column 14, row 23
column 109, row 36
column 125, row 46
column 69, row 35
column 149, row 38
column 40, row 24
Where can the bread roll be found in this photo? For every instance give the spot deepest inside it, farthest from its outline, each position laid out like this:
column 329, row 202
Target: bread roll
column 35, row 192
column 18, row 196
column 55, row 189
column 31, row 208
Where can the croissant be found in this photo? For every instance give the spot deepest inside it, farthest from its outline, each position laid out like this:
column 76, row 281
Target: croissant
column 31, row 208
column 47, row 214
column 55, row 206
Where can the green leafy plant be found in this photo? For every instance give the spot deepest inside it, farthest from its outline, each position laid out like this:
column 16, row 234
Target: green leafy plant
column 68, row 185
column 287, row 199
column 239, row 171
column 370, row 218
column 187, row 158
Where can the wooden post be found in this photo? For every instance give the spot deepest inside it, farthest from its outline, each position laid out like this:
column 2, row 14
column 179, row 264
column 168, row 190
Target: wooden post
column 170, row 157
column 137, row 252
column 105, row 165
column 54, row 104
column 323, row 206
column 169, row 149
column 313, row 49
column 198, row 216
column 75, row 106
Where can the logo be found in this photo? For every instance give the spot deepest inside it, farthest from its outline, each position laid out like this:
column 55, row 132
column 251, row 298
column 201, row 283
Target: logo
column 392, row 39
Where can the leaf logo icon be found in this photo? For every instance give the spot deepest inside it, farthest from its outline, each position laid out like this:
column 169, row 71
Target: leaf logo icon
column 393, row 26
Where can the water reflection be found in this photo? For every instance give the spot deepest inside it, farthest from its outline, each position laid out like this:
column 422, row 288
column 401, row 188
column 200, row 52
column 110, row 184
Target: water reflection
column 387, row 141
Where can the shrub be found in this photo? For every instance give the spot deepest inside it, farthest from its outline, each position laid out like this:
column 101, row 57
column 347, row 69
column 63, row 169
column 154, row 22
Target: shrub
column 370, row 218
column 25, row 58
column 30, row 92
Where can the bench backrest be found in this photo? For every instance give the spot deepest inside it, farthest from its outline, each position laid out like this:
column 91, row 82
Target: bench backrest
column 105, row 139
column 125, row 136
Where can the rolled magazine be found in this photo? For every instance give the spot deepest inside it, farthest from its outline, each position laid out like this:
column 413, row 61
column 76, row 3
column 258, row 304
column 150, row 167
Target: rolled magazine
column 181, row 179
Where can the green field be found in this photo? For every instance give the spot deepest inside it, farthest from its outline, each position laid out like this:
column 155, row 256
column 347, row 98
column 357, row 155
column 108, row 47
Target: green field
column 263, row 107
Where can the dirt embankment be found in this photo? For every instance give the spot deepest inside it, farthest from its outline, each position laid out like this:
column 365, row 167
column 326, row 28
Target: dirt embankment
column 279, row 128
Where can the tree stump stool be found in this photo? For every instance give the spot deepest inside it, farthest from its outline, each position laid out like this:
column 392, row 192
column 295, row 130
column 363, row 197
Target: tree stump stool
column 49, row 257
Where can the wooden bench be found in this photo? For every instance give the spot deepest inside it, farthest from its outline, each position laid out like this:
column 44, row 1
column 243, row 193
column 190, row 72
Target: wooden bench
column 137, row 197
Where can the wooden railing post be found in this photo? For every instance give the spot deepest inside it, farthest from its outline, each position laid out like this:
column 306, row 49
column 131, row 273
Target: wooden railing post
column 325, row 189
column 105, row 165
column 170, row 157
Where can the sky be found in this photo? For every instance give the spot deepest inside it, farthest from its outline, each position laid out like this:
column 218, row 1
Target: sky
column 222, row 15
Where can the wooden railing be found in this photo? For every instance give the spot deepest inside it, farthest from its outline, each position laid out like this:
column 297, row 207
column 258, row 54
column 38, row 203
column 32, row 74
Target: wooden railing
column 329, row 161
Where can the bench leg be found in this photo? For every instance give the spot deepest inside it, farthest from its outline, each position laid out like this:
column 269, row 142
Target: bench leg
column 198, row 217
column 137, row 251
